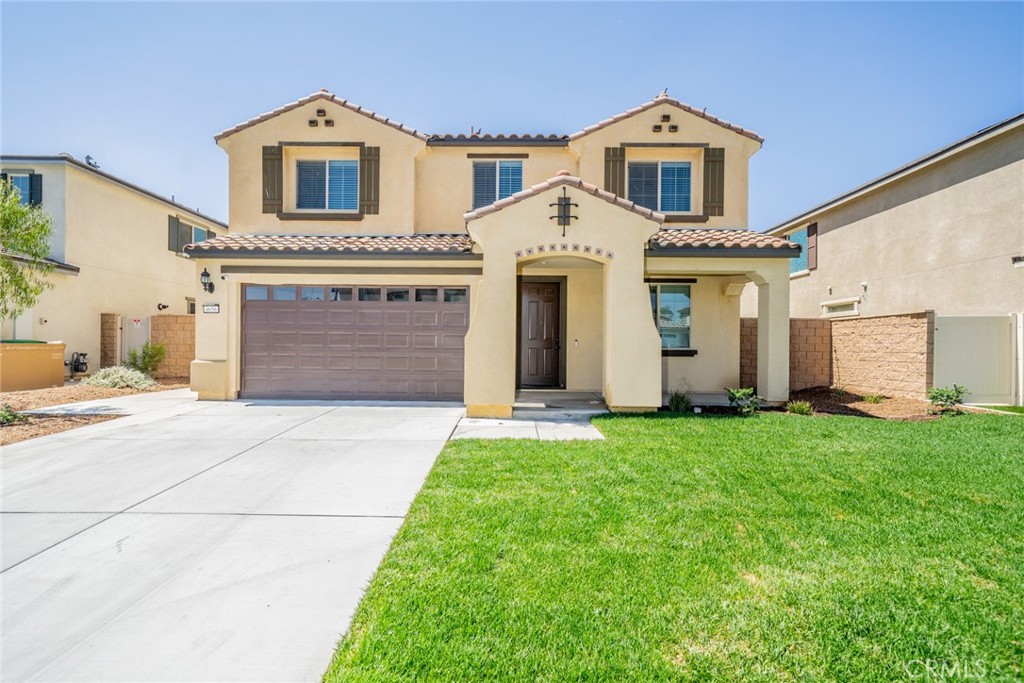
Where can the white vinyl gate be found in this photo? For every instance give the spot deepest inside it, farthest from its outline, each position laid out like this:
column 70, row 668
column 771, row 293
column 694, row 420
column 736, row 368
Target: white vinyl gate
column 981, row 354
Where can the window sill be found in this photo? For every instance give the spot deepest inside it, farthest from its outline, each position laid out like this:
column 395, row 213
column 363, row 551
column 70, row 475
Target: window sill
column 799, row 274
column 669, row 353
column 320, row 216
column 686, row 218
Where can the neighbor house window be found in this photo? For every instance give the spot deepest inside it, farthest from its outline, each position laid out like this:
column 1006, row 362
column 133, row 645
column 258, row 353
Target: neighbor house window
column 661, row 185
column 330, row 185
column 190, row 306
column 799, row 264
column 494, row 180
column 670, row 305
column 22, row 184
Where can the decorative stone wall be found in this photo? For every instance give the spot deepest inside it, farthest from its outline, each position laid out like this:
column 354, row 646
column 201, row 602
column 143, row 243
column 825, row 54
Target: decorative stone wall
column 888, row 355
column 109, row 331
column 178, row 335
column 810, row 353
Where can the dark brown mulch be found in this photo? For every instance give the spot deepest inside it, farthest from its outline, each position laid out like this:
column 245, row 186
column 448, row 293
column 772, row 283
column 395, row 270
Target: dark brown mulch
column 833, row 402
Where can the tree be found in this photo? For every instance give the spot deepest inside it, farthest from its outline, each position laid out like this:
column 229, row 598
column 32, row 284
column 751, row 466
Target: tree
column 24, row 246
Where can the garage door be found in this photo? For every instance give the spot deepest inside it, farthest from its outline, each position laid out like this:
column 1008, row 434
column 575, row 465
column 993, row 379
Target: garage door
column 353, row 342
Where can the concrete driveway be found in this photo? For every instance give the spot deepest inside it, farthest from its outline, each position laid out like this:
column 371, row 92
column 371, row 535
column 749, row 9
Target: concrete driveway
column 203, row 541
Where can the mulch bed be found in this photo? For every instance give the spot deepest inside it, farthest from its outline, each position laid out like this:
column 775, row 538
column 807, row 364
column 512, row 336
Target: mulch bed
column 73, row 392
column 833, row 402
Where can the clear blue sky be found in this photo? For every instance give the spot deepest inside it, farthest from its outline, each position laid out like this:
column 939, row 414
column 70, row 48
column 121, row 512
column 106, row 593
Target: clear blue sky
column 842, row 92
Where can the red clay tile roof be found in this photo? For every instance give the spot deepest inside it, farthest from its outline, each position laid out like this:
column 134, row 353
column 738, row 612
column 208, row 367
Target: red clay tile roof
column 552, row 139
column 331, row 245
column 665, row 99
column 563, row 178
column 719, row 238
column 321, row 95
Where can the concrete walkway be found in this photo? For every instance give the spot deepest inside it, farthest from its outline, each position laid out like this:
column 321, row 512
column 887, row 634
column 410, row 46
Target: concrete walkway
column 202, row 541
column 546, row 415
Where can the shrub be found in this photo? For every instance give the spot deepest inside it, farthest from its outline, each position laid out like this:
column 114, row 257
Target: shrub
column 120, row 377
column 147, row 359
column 838, row 390
column 744, row 400
column 873, row 398
column 9, row 416
column 946, row 399
column 800, row 408
column 679, row 401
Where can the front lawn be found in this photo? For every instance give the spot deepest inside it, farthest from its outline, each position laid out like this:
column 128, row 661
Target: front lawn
column 1007, row 409
column 706, row 548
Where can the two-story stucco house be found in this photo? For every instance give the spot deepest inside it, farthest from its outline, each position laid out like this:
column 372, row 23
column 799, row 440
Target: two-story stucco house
column 116, row 249
column 370, row 260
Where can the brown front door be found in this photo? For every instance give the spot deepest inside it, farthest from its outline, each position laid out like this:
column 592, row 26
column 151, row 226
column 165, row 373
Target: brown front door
column 539, row 344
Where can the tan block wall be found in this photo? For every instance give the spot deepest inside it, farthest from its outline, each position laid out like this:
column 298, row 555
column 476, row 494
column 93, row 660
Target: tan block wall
column 109, row 330
column 889, row 355
column 810, row 353
column 178, row 335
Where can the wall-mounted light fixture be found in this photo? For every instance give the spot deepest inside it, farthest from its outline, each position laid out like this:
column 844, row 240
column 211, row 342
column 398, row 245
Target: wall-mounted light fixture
column 206, row 281
column 564, row 213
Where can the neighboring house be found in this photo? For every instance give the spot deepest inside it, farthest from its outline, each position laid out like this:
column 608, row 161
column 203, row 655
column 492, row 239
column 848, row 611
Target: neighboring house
column 910, row 260
column 369, row 260
column 116, row 249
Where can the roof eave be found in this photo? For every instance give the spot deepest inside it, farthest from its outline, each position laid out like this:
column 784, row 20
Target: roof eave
column 717, row 252
column 324, row 254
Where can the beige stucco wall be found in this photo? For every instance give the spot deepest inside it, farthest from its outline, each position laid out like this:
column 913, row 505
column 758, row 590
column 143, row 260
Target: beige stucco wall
column 939, row 239
column 398, row 152
column 692, row 129
column 444, row 188
column 118, row 238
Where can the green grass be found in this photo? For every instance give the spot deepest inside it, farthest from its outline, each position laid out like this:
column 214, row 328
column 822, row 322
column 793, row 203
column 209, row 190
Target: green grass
column 1008, row 409
column 708, row 548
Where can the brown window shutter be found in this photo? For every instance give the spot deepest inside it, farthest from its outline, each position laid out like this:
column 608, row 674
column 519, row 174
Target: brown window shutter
column 273, row 179
column 369, row 180
column 615, row 170
column 184, row 235
column 714, row 181
column 812, row 246
column 172, row 233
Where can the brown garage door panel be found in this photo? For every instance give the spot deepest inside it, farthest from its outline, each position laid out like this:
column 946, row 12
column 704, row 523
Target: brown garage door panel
column 353, row 349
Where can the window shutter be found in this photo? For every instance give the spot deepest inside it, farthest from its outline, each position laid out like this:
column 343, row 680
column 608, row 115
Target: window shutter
column 172, row 233
column 369, row 180
column 615, row 170
column 35, row 189
column 273, row 179
column 714, row 181
column 485, row 179
column 812, row 246
column 184, row 235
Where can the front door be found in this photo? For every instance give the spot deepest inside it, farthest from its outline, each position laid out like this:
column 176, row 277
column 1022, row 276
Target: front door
column 539, row 343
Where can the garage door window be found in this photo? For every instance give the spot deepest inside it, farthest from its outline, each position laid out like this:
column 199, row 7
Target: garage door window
column 369, row 293
column 398, row 295
column 312, row 294
column 426, row 295
column 455, row 296
column 341, row 294
column 254, row 293
column 284, row 294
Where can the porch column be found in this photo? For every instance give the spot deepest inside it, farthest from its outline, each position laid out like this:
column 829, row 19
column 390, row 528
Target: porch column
column 773, row 333
column 490, row 385
column 632, row 346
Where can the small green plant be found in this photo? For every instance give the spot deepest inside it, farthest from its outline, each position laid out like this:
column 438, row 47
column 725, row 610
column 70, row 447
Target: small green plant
column 148, row 358
column 873, row 398
column 745, row 401
column 121, row 377
column 800, row 408
column 679, row 401
column 946, row 399
column 9, row 416
column 838, row 390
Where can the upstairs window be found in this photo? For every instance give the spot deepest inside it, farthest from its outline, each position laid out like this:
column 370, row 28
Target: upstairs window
column 661, row 186
column 21, row 184
column 330, row 185
column 494, row 180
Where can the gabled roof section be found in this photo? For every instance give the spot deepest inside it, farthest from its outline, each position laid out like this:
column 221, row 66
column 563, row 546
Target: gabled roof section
column 949, row 150
column 663, row 98
column 322, row 94
column 68, row 159
column 564, row 178
column 419, row 244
